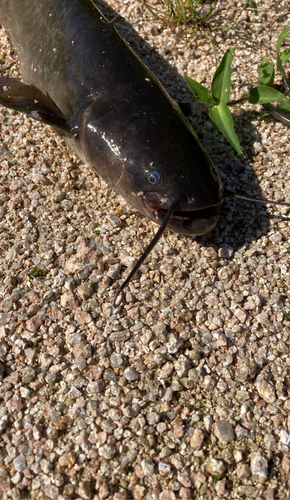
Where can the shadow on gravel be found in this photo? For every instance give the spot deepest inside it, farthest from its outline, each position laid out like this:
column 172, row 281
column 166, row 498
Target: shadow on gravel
column 240, row 221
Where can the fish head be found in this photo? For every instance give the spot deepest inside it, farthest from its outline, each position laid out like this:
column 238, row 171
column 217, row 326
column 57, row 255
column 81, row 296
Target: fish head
column 154, row 159
column 198, row 205
column 174, row 166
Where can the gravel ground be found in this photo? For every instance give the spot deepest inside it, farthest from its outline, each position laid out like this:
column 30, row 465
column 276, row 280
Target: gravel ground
column 182, row 392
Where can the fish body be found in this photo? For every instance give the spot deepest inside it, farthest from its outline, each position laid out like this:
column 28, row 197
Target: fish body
column 81, row 77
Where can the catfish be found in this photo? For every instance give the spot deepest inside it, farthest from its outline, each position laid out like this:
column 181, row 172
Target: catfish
column 82, row 78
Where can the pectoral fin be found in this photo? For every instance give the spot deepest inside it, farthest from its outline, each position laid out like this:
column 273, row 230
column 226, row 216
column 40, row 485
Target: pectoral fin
column 29, row 99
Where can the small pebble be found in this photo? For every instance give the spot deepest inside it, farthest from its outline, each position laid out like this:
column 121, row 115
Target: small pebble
column 224, row 431
column 259, row 468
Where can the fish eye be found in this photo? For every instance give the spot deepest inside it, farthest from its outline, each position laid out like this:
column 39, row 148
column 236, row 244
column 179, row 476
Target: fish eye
column 154, row 178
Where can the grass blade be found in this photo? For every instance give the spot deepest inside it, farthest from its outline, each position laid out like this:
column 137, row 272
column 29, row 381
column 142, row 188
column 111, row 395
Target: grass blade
column 282, row 36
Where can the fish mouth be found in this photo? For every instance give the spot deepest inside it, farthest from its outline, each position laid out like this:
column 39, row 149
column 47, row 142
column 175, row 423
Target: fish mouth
column 191, row 222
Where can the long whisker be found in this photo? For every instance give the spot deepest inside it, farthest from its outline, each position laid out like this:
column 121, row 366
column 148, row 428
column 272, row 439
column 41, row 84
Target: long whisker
column 258, row 200
column 120, row 293
column 284, row 118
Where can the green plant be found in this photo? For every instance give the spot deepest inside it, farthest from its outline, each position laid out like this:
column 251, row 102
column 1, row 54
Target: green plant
column 192, row 13
column 35, row 272
column 186, row 11
column 218, row 99
column 183, row 12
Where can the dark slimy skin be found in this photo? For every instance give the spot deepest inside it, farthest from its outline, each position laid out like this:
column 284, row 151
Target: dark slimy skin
column 81, row 77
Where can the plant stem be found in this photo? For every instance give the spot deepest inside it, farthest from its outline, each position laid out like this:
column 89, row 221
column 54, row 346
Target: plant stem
column 238, row 101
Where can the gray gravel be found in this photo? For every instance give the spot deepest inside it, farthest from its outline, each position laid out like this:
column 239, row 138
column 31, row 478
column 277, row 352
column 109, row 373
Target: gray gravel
column 183, row 392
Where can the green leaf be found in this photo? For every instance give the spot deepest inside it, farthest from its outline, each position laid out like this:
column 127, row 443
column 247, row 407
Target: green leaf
column 263, row 95
column 199, row 91
column 266, row 72
column 282, row 36
column 221, row 117
column 221, row 82
column 285, row 106
column 285, row 55
column 284, row 109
